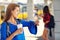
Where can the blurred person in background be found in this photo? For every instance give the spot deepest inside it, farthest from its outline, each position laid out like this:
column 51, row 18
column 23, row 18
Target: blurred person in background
column 46, row 20
column 12, row 28
column 51, row 25
column 2, row 16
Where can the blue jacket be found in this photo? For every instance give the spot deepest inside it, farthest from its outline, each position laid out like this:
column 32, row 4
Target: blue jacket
column 30, row 24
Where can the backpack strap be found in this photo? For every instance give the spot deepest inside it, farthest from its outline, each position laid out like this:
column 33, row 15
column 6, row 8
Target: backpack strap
column 8, row 29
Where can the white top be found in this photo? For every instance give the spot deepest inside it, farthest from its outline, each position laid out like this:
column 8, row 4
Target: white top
column 40, row 29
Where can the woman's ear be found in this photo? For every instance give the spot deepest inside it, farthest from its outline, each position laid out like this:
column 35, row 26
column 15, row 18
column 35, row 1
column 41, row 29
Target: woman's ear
column 11, row 11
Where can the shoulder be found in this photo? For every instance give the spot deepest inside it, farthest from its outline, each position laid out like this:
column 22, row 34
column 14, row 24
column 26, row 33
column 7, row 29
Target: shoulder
column 19, row 20
column 3, row 24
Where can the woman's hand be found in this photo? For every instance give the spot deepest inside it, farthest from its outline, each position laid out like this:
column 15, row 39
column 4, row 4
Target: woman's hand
column 46, row 22
column 19, row 31
column 36, row 20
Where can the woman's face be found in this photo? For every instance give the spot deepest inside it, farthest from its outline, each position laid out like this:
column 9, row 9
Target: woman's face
column 15, row 12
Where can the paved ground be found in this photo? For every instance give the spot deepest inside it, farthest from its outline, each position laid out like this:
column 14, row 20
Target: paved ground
column 57, row 36
column 53, row 36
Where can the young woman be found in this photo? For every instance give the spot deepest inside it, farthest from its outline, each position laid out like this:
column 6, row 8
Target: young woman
column 10, row 29
column 46, row 21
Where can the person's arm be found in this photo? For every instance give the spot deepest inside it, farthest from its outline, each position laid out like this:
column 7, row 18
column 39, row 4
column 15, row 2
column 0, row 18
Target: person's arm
column 4, row 32
column 46, row 22
column 10, row 37
column 27, row 23
column 47, row 19
column 14, row 34
column 32, row 26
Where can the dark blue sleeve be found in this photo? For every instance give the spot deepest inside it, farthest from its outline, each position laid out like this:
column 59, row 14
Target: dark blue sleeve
column 25, row 23
column 31, row 25
column 3, row 31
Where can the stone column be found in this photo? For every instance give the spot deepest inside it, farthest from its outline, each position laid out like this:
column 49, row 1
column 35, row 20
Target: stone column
column 30, row 9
